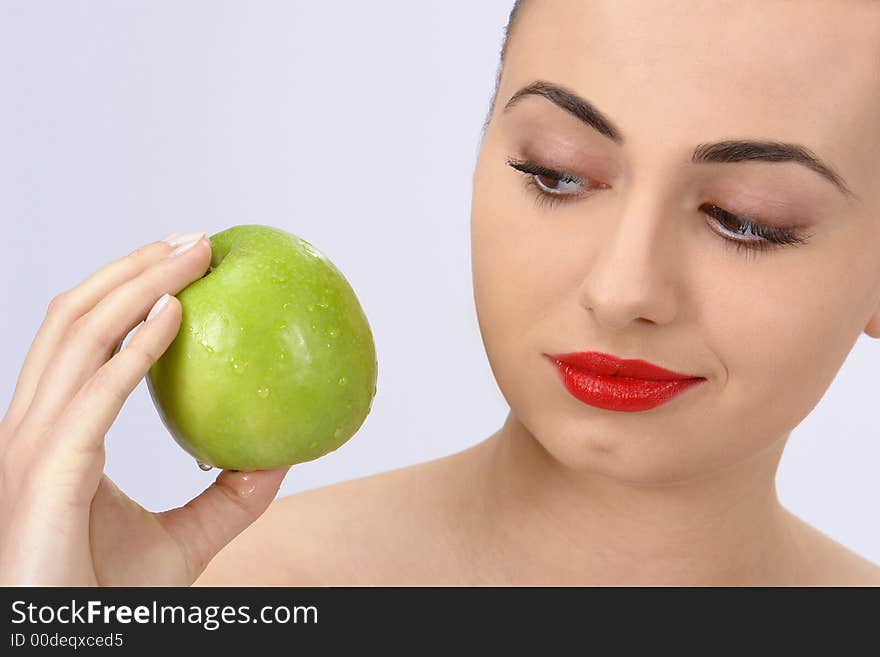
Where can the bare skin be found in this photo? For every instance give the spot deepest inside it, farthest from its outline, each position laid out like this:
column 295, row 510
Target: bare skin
column 631, row 264
column 432, row 524
column 63, row 522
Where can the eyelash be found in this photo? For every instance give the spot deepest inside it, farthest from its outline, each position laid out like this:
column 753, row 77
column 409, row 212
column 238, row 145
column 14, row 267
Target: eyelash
column 769, row 236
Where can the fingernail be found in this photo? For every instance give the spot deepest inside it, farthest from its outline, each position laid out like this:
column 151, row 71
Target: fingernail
column 170, row 238
column 158, row 306
column 186, row 246
column 241, row 482
column 247, row 485
column 176, row 239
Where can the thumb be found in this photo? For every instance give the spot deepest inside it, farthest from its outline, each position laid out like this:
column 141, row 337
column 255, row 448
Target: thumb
column 207, row 523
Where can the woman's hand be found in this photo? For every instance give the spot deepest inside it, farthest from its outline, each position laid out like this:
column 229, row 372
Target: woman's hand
column 62, row 521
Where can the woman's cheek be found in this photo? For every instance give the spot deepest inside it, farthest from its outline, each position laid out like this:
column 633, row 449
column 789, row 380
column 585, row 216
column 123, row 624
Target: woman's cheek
column 779, row 346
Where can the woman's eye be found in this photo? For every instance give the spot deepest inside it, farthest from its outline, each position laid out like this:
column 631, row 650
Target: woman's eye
column 743, row 233
column 558, row 185
column 550, row 186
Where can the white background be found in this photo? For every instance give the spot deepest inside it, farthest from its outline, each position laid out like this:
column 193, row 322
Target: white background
column 352, row 124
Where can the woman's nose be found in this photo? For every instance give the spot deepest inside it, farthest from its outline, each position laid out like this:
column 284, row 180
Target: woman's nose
column 630, row 273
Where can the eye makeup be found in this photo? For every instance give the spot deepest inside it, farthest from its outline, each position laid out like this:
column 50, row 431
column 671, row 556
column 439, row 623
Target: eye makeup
column 551, row 187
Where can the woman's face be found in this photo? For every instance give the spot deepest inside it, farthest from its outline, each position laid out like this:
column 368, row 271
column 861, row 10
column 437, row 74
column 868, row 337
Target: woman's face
column 631, row 263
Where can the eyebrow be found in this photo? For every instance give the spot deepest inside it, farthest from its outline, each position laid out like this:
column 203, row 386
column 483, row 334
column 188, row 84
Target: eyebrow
column 731, row 150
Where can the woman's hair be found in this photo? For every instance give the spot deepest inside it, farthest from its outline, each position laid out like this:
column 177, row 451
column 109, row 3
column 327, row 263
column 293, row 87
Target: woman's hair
column 511, row 21
column 508, row 29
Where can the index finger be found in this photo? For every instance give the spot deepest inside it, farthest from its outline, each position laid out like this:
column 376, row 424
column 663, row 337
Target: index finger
column 68, row 306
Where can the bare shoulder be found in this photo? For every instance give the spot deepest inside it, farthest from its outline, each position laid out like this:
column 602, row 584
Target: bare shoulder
column 388, row 528
column 831, row 563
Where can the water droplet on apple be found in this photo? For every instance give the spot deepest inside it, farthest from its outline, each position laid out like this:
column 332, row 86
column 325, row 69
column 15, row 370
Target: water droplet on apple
column 323, row 304
column 285, row 306
column 333, row 333
column 263, row 392
column 337, row 433
column 204, row 466
column 342, row 381
column 311, row 307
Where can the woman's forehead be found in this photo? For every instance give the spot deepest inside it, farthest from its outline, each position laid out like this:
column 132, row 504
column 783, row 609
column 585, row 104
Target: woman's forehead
column 805, row 72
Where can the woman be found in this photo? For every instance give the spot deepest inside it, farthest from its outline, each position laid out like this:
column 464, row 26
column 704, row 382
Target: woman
column 629, row 146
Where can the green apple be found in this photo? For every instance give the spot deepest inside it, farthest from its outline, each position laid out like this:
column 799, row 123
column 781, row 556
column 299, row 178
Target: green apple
column 274, row 363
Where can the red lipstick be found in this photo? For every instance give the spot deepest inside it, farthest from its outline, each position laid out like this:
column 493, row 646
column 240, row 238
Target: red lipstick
column 617, row 384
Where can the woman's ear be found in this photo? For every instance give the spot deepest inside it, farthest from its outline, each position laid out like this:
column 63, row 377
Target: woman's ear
column 873, row 327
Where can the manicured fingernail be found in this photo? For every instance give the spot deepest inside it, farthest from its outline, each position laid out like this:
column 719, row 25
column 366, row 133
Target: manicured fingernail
column 246, row 484
column 158, row 306
column 176, row 239
column 241, row 482
column 186, row 246
column 170, row 238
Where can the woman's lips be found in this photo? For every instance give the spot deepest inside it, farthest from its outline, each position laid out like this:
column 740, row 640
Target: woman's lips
column 616, row 384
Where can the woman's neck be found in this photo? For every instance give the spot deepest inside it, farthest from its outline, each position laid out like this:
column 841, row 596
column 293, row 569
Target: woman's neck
column 551, row 525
